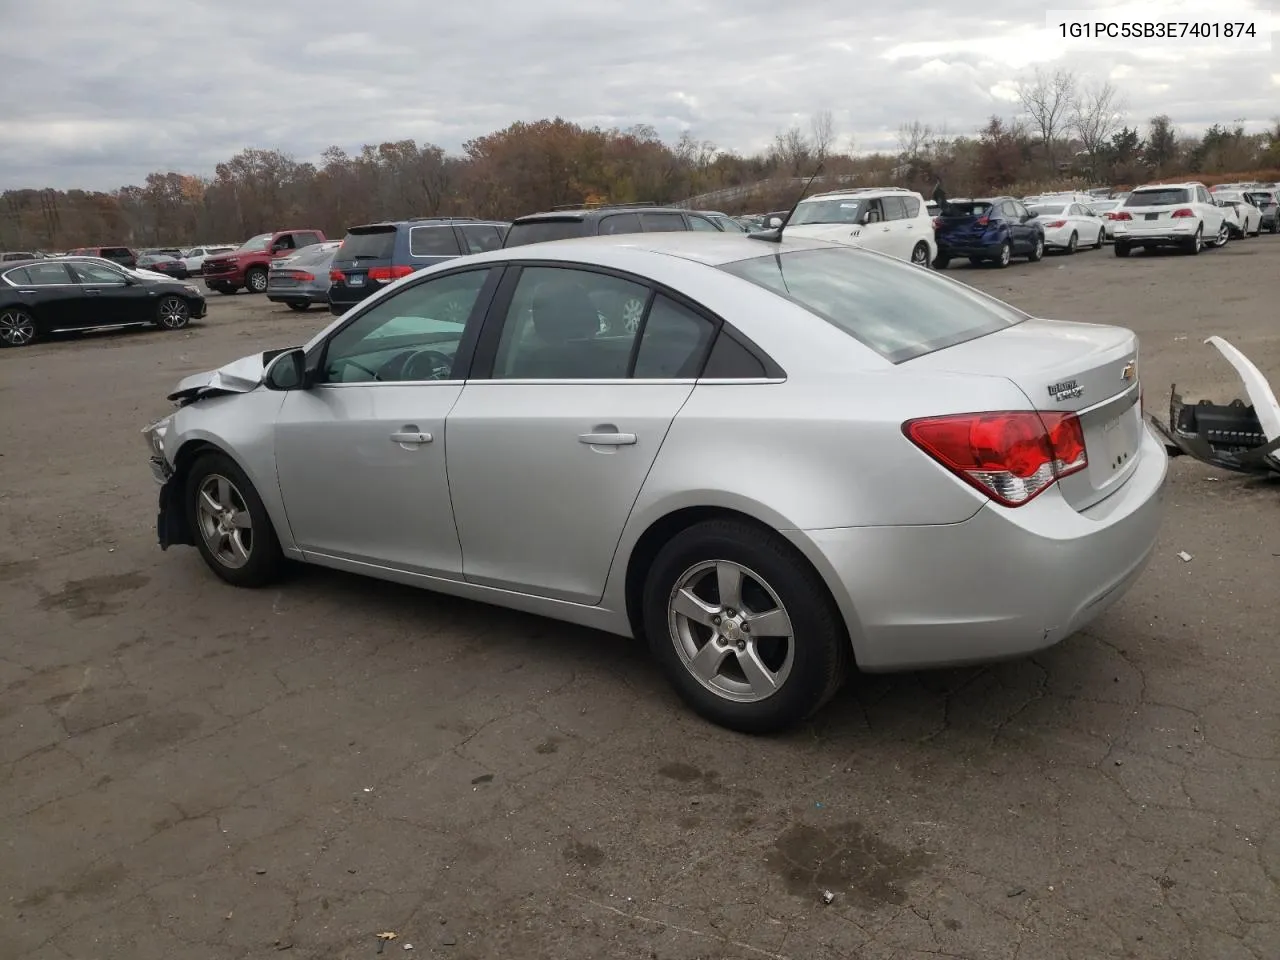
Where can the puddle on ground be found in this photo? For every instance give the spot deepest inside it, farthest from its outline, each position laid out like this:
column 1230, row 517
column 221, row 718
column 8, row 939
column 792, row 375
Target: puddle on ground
column 845, row 858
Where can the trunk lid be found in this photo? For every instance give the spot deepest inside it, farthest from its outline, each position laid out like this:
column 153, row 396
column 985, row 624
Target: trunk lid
column 961, row 221
column 362, row 249
column 1087, row 369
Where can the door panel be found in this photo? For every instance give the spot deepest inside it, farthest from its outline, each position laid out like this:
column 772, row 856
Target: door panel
column 362, row 473
column 539, row 506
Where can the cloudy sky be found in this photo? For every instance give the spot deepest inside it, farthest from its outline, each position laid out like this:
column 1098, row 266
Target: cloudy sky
column 113, row 90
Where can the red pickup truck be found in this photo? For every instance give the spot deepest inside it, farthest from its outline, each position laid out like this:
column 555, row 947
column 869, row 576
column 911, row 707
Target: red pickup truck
column 247, row 267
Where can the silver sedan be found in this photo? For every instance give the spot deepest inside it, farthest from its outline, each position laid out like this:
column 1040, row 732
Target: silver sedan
column 804, row 457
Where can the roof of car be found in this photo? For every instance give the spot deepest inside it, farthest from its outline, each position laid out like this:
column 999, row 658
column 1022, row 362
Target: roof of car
column 586, row 213
column 712, row 249
column 426, row 221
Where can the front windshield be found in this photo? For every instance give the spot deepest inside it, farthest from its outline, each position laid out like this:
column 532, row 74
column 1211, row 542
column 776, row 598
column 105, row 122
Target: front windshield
column 256, row 243
column 826, row 211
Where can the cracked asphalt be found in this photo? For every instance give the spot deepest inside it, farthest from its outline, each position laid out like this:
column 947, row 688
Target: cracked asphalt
column 189, row 770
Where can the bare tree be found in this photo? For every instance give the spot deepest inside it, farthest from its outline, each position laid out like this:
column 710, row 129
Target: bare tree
column 1095, row 117
column 822, row 134
column 1048, row 100
column 914, row 139
column 790, row 150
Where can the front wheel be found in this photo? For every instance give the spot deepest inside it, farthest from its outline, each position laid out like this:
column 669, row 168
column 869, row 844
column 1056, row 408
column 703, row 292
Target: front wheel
column 1037, row 252
column 256, row 280
column 17, row 327
column 232, row 529
column 1102, row 236
column 300, row 307
column 743, row 628
column 172, row 313
column 920, row 255
column 1223, row 235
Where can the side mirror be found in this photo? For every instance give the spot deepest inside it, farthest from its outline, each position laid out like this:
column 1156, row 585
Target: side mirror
column 287, row 371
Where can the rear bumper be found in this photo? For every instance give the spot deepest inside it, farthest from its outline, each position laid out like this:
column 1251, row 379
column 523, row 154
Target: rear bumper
column 1005, row 583
column 1156, row 236
column 276, row 295
column 991, row 250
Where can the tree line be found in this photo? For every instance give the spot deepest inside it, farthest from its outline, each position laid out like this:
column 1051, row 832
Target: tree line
column 1062, row 132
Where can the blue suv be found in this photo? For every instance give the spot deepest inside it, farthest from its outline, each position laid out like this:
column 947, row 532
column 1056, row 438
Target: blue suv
column 994, row 229
column 373, row 255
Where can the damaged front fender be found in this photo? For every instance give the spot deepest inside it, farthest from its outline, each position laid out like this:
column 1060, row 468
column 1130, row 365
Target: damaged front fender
column 240, row 376
column 1235, row 436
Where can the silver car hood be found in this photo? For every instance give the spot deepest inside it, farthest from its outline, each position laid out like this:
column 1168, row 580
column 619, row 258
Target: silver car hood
column 239, row 376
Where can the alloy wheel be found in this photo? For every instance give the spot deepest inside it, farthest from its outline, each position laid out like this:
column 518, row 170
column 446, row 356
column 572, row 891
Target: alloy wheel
column 174, row 313
column 1224, row 234
column 16, row 328
column 257, row 281
column 224, row 521
column 920, row 255
column 731, row 631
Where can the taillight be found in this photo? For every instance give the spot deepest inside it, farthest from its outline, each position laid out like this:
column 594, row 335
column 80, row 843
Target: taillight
column 1054, row 225
column 1122, row 215
column 983, row 221
column 1184, row 212
column 1011, row 457
column 336, row 276
column 937, row 222
column 300, row 275
column 389, row 273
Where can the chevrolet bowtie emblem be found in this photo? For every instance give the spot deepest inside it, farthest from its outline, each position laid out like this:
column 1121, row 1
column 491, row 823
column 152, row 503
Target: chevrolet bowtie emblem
column 1130, row 371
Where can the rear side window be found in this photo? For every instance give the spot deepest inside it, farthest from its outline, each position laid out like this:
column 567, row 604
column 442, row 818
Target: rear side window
column 620, row 223
column 673, row 343
column 481, row 237
column 894, row 208
column 662, row 222
column 45, row 274
column 897, row 310
column 543, row 231
column 305, row 239
column 1158, row 198
column 376, row 244
column 913, row 207
column 433, row 242
column 703, row 224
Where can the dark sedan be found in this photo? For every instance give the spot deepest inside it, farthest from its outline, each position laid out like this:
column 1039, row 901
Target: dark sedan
column 163, row 263
column 39, row 297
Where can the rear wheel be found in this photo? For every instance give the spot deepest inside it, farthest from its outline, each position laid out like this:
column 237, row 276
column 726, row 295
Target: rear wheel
column 1005, row 254
column 1102, row 236
column 743, row 627
column 17, row 327
column 976, row 261
column 1223, row 235
column 233, row 531
column 1037, row 251
column 920, row 255
column 1122, row 249
column 1196, row 243
column 940, row 262
column 300, row 307
column 256, row 280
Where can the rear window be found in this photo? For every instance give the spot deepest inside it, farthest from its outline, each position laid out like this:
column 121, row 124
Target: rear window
column 115, row 252
column 377, row 243
column 1158, row 198
column 967, row 208
column 433, row 242
column 897, row 310
column 1049, row 208
column 542, row 231
column 313, row 254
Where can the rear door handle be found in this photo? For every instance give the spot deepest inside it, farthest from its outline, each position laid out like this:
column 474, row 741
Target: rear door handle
column 30, row 292
column 92, row 293
column 607, row 439
column 409, row 436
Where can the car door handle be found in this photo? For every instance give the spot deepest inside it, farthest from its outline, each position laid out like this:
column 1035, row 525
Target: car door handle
column 92, row 293
column 29, row 292
column 410, row 436
column 607, row 439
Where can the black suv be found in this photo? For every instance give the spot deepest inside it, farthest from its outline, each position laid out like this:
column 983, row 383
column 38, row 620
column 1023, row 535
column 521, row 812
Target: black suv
column 375, row 254
column 603, row 221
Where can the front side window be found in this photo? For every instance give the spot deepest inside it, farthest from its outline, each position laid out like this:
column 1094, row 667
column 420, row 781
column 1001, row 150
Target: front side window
column 255, row 244
column 568, row 324
column 412, row 335
column 673, row 343
column 703, row 224
column 662, row 222
column 96, row 273
column 897, row 310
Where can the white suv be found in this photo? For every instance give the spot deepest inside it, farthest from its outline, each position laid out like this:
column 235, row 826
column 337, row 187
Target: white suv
column 887, row 219
column 1169, row 215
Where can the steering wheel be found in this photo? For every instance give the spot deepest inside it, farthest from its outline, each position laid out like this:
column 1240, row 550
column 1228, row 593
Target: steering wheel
column 426, row 365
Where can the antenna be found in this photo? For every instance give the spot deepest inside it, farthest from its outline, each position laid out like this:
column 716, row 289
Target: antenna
column 775, row 235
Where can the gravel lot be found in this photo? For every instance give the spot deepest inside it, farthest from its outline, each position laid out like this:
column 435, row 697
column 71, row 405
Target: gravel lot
column 188, row 770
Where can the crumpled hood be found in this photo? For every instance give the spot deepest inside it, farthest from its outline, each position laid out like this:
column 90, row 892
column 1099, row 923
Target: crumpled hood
column 239, row 376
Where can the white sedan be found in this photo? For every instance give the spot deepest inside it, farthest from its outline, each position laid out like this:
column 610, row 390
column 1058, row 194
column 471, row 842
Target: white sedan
column 1104, row 209
column 1069, row 226
column 1244, row 218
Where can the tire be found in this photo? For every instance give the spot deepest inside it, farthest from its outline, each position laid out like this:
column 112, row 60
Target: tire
column 1071, row 243
column 257, row 562
column 1122, row 249
column 940, row 262
column 1223, row 235
column 1196, row 245
column 300, row 307
column 1005, row 255
column 976, row 261
column 1037, row 252
column 1102, row 238
column 920, row 255
column 172, row 313
column 17, row 327
column 255, row 280
column 811, row 668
